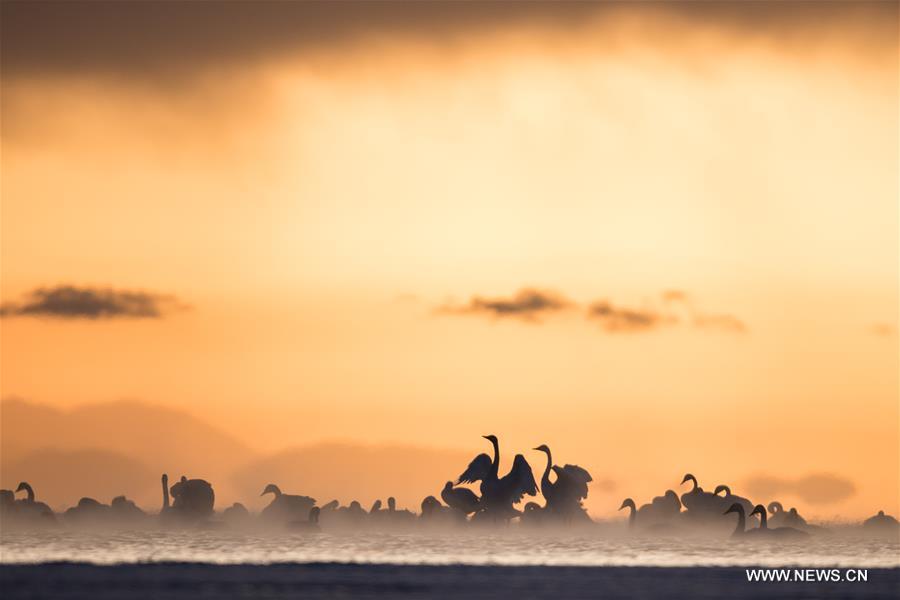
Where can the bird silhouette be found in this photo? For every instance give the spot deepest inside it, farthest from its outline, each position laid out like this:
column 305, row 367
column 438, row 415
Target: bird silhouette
column 29, row 507
column 778, row 532
column 499, row 494
column 564, row 495
column 285, row 507
column 761, row 532
column 461, row 499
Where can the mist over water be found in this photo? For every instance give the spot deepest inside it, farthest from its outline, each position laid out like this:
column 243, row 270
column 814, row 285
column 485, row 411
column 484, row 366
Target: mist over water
column 476, row 547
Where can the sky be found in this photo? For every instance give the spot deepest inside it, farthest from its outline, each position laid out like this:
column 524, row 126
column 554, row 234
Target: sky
column 659, row 238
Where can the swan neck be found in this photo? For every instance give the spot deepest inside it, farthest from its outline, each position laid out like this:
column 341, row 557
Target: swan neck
column 546, row 476
column 495, row 465
column 741, row 524
column 165, row 489
column 763, row 520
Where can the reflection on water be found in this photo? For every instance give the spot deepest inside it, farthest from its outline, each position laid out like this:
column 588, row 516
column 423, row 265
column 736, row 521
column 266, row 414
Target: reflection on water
column 476, row 547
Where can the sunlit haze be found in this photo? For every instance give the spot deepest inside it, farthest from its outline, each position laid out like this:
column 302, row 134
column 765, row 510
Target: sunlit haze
column 338, row 236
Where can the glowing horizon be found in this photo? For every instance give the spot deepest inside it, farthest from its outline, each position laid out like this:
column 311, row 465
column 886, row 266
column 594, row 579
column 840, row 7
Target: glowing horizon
column 345, row 225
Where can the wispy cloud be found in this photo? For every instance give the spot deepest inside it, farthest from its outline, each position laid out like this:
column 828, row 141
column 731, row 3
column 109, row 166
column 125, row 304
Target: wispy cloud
column 675, row 299
column 527, row 304
column 671, row 307
column 618, row 318
column 883, row 329
column 816, row 488
column 71, row 302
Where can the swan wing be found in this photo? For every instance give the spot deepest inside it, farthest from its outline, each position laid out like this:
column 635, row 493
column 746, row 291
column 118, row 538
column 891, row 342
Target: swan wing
column 477, row 470
column 578, row 473
column 519, row 481
column 575, row 480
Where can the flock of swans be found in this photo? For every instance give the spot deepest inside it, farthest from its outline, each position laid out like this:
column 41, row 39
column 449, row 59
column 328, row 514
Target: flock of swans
column 191, row 502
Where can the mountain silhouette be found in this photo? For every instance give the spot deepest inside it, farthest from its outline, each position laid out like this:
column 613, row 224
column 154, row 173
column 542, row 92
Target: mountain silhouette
column 154, row 439
column 62, row 477
column 348, row 471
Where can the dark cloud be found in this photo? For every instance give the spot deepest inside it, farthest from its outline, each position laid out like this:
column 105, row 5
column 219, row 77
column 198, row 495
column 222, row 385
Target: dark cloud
column 70, row 302
column 527, row 304
column 152, row 38
column 817, row 488
column 617, row 318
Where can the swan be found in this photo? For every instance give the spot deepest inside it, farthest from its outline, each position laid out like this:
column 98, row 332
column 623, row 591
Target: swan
column 7, row 501
column 461, row 499
column 398, row 516
column 660, row 511
column 193, row 499
column 236, row 514
column 435, row 512
column 779, row 532
column 311, row 524
column 286, row 507
column 632, row 516
column 776, row 510
column 30, row 507
column 701, row 507
column 123, row 509
column 728, row 499
column 533, row 514
column 87, row 510
column 762, row 532
column 499, row 494
column 881, row 523
column 564, row 496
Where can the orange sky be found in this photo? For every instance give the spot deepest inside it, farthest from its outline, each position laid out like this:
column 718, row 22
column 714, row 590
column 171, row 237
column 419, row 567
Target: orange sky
column 317, row 206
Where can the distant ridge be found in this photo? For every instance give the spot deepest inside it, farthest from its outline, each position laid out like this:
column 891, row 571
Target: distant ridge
column 149, row 438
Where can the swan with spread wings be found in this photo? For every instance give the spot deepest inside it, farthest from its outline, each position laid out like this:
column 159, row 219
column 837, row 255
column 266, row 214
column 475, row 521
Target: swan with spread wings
column 499, row 494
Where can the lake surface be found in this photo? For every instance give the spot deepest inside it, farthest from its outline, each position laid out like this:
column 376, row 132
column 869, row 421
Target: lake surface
column 471, row 547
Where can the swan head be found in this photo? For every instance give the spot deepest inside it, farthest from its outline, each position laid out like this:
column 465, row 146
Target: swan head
column 271, row 489
column 23, row 487
column 392, row 503
column 793, row 511
column 735, row 508
column 491, row 438
column 448, row 486
column 759, row 509
column 314, row 514
column 688, row 477
column 628, row 502
column 722, row 488
column 543, row 448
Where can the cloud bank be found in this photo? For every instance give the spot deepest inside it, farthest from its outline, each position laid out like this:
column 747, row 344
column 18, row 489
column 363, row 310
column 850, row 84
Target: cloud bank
column 673, row 307
column 816, row 488
column 150, row 39
column 527, row 304
column 70, row 302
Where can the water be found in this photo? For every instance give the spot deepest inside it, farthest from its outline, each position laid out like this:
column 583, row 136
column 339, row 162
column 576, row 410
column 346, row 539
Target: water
column 476, row 547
